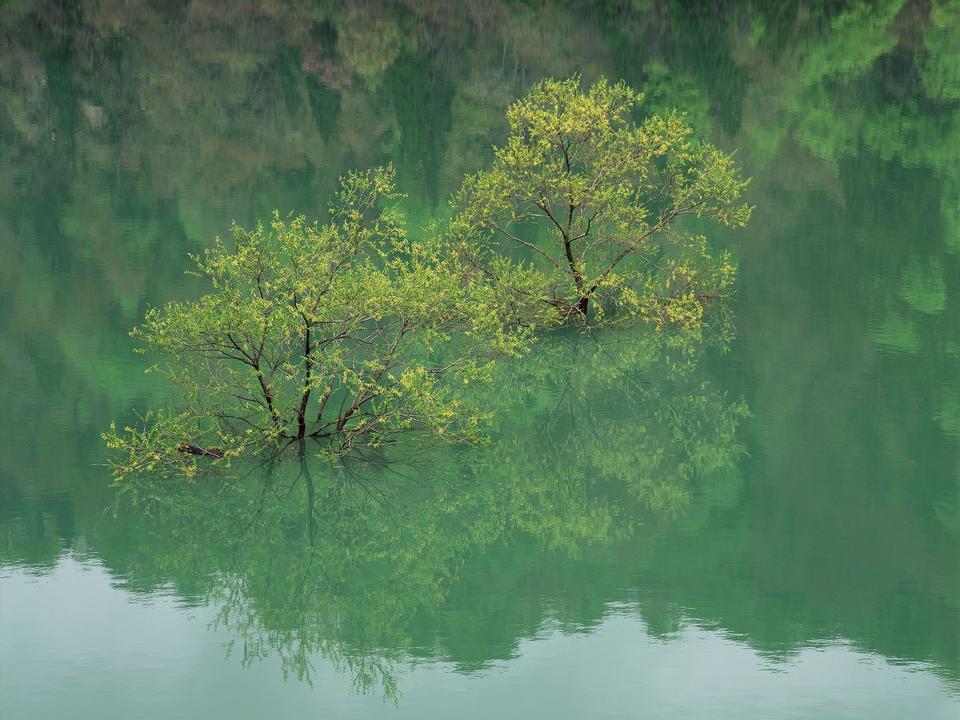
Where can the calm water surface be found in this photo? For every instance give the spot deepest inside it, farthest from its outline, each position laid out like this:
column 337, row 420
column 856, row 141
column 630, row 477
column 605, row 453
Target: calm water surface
column 766, row 527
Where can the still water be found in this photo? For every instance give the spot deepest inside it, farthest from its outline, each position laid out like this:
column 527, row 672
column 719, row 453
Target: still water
column 767, row 526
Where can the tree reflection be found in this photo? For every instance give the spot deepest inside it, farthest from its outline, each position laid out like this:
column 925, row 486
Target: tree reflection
column 354, row 563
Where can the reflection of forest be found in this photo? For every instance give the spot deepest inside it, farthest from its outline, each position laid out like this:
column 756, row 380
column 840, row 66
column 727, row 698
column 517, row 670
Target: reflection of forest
column 132, row 132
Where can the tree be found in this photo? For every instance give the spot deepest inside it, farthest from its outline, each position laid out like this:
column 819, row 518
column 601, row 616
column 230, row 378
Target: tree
column 593, row 201
column 348, row 332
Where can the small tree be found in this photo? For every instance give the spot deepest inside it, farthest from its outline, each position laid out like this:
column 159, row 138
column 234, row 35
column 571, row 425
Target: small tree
column 348, row 332
column 592, row 199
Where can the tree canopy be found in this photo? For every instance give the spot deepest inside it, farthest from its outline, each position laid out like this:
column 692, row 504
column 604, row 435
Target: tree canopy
column 348, row 332
column 351, row 331
column 592, row 200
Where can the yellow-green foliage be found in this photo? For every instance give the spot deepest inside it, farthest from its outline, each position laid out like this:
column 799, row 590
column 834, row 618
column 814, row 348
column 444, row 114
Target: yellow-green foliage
column 348, row 332
column 353, row 333
column 591, row 200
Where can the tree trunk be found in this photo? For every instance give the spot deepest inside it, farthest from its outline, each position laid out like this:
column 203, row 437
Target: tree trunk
column 584, row 301
column 305, row 397
column 582, row 305
column 194, row 449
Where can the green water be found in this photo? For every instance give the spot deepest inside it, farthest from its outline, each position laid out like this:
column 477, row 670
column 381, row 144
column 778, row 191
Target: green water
column 767, row 527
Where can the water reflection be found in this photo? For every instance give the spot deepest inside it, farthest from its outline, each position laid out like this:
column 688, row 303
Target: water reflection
column 357, row 563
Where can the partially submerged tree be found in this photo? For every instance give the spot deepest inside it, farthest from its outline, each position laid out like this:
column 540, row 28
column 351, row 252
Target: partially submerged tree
column 348, row 332
column 353, row 333
column 591, row 200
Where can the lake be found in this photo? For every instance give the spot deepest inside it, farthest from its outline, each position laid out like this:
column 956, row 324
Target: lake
column 764, row 525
